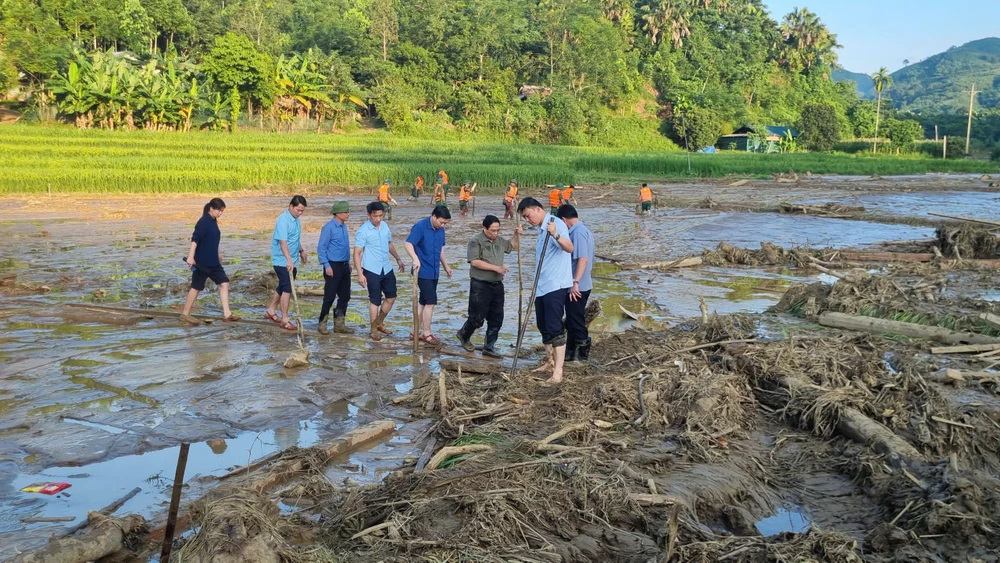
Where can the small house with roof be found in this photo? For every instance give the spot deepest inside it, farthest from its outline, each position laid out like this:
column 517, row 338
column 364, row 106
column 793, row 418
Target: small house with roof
column 752, row 138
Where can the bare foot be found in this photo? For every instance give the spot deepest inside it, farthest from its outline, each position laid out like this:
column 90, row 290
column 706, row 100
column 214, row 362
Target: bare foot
column 547, row 366
column 556, row 377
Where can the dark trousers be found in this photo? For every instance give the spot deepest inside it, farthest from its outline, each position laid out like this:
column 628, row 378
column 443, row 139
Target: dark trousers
column 337, row 288
column 485, row 305
column 549, row 310
column 576, row 325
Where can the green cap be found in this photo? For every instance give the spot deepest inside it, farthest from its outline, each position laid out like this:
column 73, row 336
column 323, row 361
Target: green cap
column 388, row 181
column 560, row 186
column 340, row 207
column 466, row 182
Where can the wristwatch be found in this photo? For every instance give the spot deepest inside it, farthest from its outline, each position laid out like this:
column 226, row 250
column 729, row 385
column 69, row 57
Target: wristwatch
column 558, row 237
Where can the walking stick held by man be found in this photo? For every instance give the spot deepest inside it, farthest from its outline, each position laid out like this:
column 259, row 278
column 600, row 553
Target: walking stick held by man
column 416, row 318
column 527, row 314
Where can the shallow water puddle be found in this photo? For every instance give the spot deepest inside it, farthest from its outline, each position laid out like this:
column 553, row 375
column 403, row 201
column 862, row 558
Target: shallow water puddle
column 98, row 484
column 785, row 520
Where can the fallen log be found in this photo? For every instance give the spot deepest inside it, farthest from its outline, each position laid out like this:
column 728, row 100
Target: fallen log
column 968, row 349
column 481, row 367
column 871, row 256
column 105, row 537
column 157, row 314
column 883, row 326
column 853, row 424
column 345, row 444
column 686, row 262
column 966, row 219
column 956, row 376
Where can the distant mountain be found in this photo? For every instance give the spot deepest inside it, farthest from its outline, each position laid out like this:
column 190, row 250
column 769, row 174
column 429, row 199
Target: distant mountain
column 936, row 84
column 865, row 84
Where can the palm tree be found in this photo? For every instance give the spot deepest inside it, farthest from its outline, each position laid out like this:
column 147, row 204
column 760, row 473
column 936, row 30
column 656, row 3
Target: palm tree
column 667, row 16
column 807, row 42
column 882, row 81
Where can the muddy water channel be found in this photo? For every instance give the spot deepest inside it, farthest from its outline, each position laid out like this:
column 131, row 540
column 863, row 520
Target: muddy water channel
column 101, row 400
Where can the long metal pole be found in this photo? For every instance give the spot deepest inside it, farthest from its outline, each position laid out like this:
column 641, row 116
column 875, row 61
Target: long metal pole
column 527, row 315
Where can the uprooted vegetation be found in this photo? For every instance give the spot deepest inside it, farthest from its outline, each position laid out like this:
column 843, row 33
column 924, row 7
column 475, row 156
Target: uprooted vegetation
column 669, row 445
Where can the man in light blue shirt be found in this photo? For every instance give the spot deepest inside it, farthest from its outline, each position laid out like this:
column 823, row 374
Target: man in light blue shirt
column 286, row 251
column 372, row 248
column 553, row 279
column 334, row 257
column 578, row 339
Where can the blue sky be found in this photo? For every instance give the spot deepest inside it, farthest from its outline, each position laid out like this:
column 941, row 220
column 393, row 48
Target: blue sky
column 878, row 33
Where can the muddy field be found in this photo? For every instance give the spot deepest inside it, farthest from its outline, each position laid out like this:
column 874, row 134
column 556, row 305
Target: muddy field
column 741, row 452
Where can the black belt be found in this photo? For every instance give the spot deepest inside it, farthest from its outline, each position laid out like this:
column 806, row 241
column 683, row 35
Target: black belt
column 487, row 282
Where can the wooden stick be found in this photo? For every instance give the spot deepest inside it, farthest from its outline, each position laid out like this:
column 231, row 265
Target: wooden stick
column 562, row 432
column 952, row 422
column 450, row 451
column 443, row 391
column 425, row 456
column 371, row 530
column 106, row 511
column 966, row 349
column 990, row 319
column 966, row 219
column 647, row 499
column 416, row 318
column 175, row 502
column 47, row 519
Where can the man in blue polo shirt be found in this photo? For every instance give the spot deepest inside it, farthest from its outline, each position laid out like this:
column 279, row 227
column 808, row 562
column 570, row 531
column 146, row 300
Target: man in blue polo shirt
column 578, row 338
column 372, row 248
column 286, row 251
column 554, row 280
column 334, row 255
column 425, row 245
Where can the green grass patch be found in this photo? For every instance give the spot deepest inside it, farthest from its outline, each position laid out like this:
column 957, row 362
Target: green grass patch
column 73, row 160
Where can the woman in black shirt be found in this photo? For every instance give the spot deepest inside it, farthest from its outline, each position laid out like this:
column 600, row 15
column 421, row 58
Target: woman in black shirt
column 205, row 261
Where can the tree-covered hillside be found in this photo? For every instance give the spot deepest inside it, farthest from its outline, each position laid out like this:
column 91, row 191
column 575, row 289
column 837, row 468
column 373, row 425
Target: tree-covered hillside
column 864, row 83
column 608, row 72
column 936, row 84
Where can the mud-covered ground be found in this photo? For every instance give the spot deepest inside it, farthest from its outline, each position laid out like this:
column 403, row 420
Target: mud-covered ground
column 101, row 399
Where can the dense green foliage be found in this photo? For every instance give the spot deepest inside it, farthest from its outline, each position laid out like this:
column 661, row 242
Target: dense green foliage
column 863, row 83
column 90, row 160
column 818, row 127
column 598, row 72
column 935, row 85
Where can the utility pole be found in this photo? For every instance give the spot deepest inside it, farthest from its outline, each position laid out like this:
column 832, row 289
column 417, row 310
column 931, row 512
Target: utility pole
column 968, row 132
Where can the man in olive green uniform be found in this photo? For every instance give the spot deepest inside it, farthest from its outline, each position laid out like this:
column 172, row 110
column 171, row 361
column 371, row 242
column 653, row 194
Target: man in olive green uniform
column 486, row 294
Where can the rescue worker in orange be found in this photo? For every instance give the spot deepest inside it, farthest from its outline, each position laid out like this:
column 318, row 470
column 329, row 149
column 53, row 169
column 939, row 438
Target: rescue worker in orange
column 440, row 195
column 646, row 200
column 385, row 199
column 567, row 195
column 443, row 180
column 418, row 188
column 555, row 198
column 510, row 200
column 464, row 195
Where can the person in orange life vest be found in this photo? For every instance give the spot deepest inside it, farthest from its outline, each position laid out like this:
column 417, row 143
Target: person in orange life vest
column 567, row 195
column 510, row 200
column 418, row 188
column 646, row 199
column 464, row 195
column 385, row 199
column 555, row 198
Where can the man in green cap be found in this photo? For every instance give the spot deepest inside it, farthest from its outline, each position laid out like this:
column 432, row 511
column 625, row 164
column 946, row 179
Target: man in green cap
column 334, row 257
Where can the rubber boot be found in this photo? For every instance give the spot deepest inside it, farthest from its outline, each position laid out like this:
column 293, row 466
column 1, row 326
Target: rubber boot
column 489, row 347
column 340, row 324
column 583, row 351
column 322, row 328
column 463, row 338
column 570, row 351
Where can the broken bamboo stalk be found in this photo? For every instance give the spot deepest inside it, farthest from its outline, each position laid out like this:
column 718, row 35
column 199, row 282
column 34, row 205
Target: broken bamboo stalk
column 884, row 326
column 990, row 319
column 450, row 451
column 686, row 262
column 443, row 391
column 966, row 219
column 561, row 433
column 966, row 349
column 105, row 537
column 651, row 499
column 870, row 256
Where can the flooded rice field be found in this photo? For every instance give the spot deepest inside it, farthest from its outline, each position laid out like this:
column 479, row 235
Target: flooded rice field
column 98, row 392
